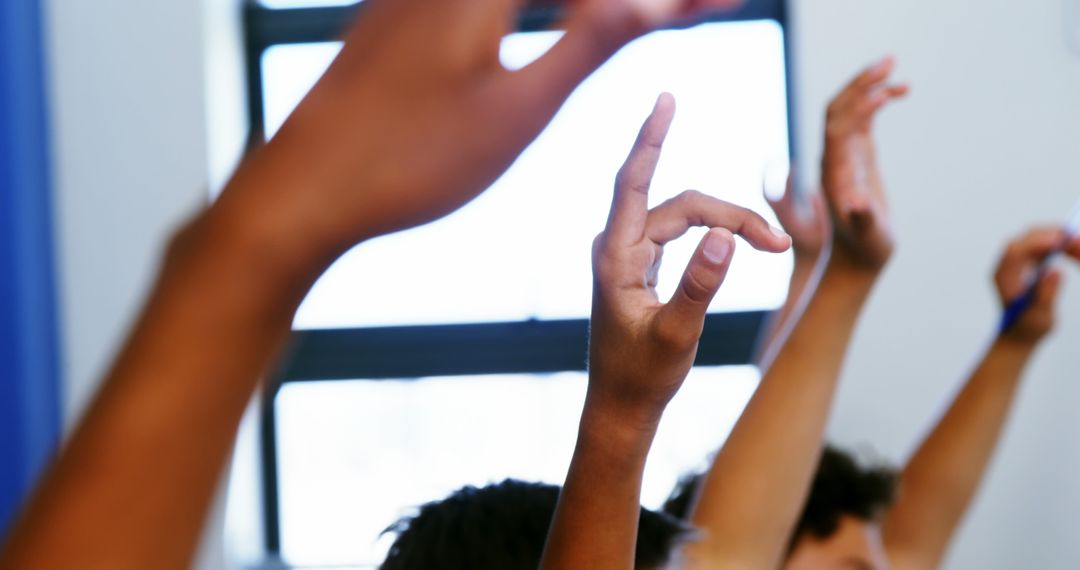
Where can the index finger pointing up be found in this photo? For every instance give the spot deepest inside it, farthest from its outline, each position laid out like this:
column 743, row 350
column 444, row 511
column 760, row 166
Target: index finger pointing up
column 630, row 206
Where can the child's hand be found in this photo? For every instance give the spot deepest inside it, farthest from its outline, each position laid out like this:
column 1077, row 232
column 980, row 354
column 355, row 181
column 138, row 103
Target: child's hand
column 1015, row 272
column 850, row 176
column 811, row 229
column 417, row 116
column 641, row 349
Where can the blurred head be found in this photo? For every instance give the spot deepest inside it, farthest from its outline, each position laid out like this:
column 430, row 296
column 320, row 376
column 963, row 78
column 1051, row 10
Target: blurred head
column 504, row 527
column 840, row 525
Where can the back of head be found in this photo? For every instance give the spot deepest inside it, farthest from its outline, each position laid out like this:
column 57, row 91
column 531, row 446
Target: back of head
column 503, row 527
column 844, row 487
column 841, row 487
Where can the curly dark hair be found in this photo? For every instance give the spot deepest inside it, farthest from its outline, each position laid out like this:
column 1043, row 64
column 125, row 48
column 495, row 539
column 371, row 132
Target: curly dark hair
column 504, row 526
column 841, row 487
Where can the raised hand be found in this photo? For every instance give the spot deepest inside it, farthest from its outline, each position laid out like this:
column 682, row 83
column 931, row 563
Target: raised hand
column 939, row 483
column 417, row 115
column 640, row 349
column 810, row 228
column 752, row 496
column 1018, row 270
column 413, row 119
column 850, row 175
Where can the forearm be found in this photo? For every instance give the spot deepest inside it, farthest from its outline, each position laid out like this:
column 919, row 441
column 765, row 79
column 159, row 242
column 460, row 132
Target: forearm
column 941, row 479
column 752, row 495
column 131, row 488
column 596, row 522
column 804, row 281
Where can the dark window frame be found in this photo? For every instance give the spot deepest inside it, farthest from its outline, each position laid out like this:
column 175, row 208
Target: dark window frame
column 381, row 353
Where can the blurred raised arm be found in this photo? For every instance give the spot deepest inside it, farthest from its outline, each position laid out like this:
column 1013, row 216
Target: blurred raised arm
column 414, row 118
column 941, row 479
column 640, row 349
column 811, row 230
column 752, row 495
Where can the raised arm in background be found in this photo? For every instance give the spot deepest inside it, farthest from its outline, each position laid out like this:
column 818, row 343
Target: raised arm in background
column 940, row 480
column 415, row 117
column 640, row 349
column 752, row 495
column 810, row 230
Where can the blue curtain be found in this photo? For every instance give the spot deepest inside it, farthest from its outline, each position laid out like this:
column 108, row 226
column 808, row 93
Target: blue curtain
column 29, row 363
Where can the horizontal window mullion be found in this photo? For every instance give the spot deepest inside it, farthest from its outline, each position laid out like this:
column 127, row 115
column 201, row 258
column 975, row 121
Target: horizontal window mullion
column 474, row 349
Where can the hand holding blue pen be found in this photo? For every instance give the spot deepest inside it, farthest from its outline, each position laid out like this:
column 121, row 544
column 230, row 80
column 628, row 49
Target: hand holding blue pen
column 1028, row 283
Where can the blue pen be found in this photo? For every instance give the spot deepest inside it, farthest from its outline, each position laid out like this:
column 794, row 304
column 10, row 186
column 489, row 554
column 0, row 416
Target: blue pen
column 1018, row 306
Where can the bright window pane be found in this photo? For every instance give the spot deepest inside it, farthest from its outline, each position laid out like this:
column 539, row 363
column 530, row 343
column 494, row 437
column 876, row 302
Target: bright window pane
column 355, row 456
column 522, row 249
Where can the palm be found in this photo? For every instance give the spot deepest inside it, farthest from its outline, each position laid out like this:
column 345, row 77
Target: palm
column 640, row 349
column 850, row 175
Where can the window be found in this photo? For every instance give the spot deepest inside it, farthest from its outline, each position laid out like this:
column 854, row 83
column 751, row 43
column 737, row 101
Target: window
column 353, row 456
column 398, row 392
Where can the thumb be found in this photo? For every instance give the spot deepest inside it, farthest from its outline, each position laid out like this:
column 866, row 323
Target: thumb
column 708, row 267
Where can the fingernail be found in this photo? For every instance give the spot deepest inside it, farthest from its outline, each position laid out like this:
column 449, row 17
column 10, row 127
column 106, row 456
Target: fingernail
column 664, row 99
column 716, row 248
column 779, row 233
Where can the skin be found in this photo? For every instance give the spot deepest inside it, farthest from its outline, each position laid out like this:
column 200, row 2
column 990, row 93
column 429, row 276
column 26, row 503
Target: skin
column 811, row 231
column 755, row 490
column 941, row 479
column 856, row 545
column 943, row 476
column 640, row 349
column 415, row 118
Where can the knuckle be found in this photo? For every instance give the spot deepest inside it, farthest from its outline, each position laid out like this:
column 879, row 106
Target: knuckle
column 1014, row 250
column 747, row 214
column 599, row 242
column 694, row 288
column 747, row 220
column 601, row 258
column 689, row 197
column 625, row 181
column 621, row 179
column 1034, row 234
column 835, row 110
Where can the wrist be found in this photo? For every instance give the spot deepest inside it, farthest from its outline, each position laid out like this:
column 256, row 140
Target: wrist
column 843, row 258
column 627, row 427
column 1007, row 358
column 842, row 268
column 261, row 219
column 247, row 247
column 1014, row 346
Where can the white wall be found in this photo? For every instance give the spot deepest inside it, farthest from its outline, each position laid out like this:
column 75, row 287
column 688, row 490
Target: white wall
column 129, row 149
column 130, row 81
column 987, row 144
